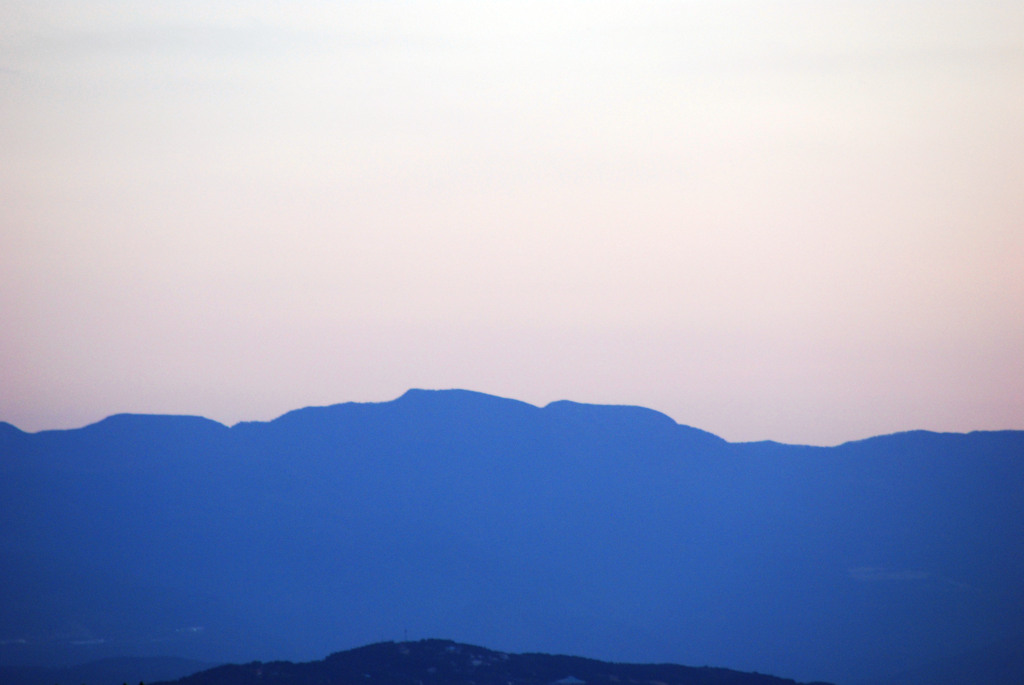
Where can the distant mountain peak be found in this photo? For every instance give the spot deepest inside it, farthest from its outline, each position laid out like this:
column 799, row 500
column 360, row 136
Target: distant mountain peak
column 606, row 530
column 444, row 662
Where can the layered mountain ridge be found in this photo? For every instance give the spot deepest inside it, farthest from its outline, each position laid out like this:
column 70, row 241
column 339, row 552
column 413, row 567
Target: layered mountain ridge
column 609, row 532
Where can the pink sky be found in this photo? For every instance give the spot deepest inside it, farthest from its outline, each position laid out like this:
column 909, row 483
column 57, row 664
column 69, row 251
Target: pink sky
column 800, row 221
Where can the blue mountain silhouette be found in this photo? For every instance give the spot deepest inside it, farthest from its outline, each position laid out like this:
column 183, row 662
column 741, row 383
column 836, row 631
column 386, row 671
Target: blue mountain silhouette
column 603, row 531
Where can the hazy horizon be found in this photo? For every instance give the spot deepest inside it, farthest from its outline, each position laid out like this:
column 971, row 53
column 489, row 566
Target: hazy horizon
column 786, row 220
column 542, row 405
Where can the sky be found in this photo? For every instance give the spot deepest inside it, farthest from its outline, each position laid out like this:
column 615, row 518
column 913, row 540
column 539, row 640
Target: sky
column 770, row 219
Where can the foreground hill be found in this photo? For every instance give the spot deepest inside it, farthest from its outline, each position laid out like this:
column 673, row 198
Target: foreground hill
column 442, row 662
column 609, row 532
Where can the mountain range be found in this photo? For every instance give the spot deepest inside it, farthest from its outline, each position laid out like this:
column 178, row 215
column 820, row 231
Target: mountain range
column 609, row 532
column 443, row 662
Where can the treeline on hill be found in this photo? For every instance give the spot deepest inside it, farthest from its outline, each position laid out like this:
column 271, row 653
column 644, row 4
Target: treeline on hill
column 443, row 662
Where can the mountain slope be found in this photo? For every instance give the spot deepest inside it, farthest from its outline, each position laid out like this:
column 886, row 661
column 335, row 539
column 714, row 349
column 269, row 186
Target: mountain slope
column 442, row 662
column 610, row 532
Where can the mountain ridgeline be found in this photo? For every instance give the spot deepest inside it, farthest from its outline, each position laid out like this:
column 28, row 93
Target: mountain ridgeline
column 604, row 531
column 443, row 662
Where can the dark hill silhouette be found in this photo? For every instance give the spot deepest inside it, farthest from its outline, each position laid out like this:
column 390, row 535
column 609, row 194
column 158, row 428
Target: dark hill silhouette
column 442, row 662
column 609, row 532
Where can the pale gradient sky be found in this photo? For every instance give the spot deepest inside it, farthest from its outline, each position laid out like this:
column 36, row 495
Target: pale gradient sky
column 800, row 221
